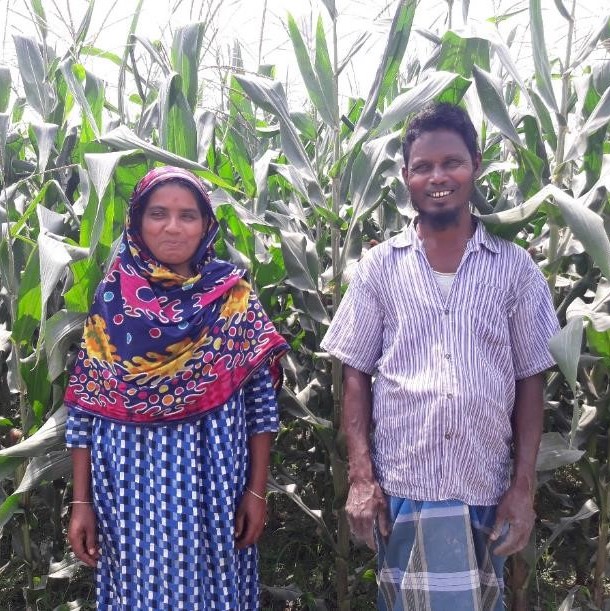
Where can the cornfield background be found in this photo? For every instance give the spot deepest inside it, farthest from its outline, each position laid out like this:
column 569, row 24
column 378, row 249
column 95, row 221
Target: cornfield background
column 300, row 190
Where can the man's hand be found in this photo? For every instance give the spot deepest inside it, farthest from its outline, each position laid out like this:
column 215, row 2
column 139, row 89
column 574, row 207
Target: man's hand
column 249, row 520
column 515, row 511
column 82, row 534
column 365, row 503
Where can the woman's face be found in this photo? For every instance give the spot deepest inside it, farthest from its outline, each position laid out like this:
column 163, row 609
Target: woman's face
column 173, row 226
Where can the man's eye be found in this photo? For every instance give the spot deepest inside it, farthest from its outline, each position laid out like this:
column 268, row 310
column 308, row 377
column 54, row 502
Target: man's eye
column 419, row 169
column 454, row 163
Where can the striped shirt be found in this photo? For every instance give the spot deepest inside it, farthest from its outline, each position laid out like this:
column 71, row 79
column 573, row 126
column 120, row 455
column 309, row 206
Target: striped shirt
column 445, row 368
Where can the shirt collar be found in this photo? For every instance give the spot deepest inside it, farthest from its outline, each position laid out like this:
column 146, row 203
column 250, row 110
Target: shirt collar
column 481, row 237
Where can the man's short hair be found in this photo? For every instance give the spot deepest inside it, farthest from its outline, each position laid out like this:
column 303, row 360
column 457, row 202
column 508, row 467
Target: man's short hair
column 441, row 115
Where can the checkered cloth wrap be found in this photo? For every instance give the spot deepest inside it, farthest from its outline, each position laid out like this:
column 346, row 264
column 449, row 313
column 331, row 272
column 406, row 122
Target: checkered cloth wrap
column 438, row 558
column 165, row 499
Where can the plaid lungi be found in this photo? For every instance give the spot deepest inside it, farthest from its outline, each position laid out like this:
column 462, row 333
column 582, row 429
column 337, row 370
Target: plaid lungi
column 438, row 557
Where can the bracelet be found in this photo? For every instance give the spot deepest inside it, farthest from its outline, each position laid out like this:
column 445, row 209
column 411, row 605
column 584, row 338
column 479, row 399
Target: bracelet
column 258, row 496
column 81, row 503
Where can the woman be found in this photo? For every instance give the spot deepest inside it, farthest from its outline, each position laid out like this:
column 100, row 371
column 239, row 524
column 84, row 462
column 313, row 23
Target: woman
column 172, row 413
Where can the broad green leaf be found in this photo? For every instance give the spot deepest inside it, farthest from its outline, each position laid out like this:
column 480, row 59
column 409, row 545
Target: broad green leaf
column 50, row 435
column 541, row 60
column 588, row 227
column 101, row 53
column 38, row 91
column 186, row 49
column 565, row 348
column 261, row 175
column 45, row 469
column 489, row 90
column 33, row 370
column 177, row 129
column 45, row 138
column 63, row 329
column 598, row 119
column 415, row 99
column 95, row 96
column 544, row 116
column 294, row 251
column 324, row 72
column 29, row 304
column 70, row 70
column 375, row 157
column 387, row 72
column 86, row 277
column 8, row 509
column 599, row 342
column 101, row 167
column 555, row 452
column 596, row 311
column 206, row 123
column 5, row 88
column 270, row 96
column 320, row 98
column 123, row 139
column 459, row 54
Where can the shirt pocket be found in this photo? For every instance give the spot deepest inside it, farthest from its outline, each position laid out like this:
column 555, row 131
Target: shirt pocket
column 490, row 306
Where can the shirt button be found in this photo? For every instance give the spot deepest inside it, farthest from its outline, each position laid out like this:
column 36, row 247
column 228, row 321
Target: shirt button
column 447, row 435
column 449, row 395
column 447, row 312
column 448, row 357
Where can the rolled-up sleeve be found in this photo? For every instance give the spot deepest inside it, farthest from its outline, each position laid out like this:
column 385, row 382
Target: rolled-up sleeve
column 355, row 335
column 79, row 427
column 532, row 323
column 261, row 404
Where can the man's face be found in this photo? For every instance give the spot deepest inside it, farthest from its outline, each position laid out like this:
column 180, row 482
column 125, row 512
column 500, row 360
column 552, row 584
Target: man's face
column 440, row 177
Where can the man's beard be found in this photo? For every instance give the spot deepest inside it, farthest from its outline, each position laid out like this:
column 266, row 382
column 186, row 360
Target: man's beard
column 441, row 220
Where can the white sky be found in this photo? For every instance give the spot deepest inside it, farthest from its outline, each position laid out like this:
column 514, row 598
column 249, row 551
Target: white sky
column 241, row 20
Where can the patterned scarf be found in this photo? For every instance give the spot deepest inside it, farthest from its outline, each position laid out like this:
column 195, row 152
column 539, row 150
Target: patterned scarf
column 158, row 347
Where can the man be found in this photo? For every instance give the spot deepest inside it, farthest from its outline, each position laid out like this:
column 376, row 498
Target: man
column 453, row 323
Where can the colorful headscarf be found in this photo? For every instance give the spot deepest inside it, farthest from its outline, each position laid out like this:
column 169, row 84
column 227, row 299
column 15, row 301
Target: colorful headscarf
column 158, row 347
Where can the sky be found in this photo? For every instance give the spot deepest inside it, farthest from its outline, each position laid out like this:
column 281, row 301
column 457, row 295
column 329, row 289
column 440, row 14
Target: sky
column 259, row 26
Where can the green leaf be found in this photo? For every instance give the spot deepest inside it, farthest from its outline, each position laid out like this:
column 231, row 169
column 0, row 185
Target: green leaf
column 63, row 330
column 206, row 124
column 492, row 101
column 555, row 452
column 177, row 129
column 563, row 11
column 270, row 96
column 45, row 134
column 565, row 348
column 8, row 509
column 294, row 246
column 5, row 88
column 588, row 227
column 38, row 92
column 122, row 138
column 101, row 53
column 70, row 70
column 599, row 342
column 331, row 8
column 541, row 60
column 591, row 41
column 320, row 98
column 460, row 54
column 415, row 99
column 598, row 119
column 324, row 72
column 29, row 304
column 50, row 435
column 186, row 49
column 387, row 72
column 544, row 116
column 47, row 468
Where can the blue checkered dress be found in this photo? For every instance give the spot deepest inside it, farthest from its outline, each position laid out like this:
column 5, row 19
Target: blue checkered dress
column 165, row 499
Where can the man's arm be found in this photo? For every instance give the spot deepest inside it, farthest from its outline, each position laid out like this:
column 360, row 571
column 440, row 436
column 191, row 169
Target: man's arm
column 365, row 500
column 516, row 508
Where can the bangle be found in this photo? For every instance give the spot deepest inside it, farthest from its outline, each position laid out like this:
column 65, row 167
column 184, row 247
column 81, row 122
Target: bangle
column 258, row 496
column 81, row 503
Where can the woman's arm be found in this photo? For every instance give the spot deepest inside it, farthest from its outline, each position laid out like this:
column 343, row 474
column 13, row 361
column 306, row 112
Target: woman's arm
column 82, row 529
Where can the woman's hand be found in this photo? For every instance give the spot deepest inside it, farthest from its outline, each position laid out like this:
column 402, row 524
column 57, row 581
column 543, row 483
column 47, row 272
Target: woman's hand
column 82, row 534
column 249, row 519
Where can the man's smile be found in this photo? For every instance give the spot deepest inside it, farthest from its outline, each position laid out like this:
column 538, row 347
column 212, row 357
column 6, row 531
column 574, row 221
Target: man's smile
column 439, row 194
